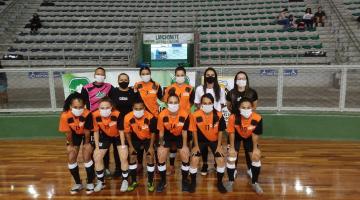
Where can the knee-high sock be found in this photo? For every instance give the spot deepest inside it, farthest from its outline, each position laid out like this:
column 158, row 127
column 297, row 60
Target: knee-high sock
column 220, row 173
column 150, row 171
column 185, row 170
column 100, row 175
column 255, row 169
column 132, row 169
column 74, row 170
column 90, row 172
column 230, row 171
column 162, row 170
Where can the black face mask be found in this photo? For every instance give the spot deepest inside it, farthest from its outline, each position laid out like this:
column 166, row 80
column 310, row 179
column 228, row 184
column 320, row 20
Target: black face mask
column 123, row 85
column 210, row 79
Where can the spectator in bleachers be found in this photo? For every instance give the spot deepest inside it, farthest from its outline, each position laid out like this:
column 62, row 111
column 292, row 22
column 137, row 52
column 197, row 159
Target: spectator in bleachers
column 320, row 17
column 283, row 19
column 35, row 23
column 308, row 18
column 292, row 21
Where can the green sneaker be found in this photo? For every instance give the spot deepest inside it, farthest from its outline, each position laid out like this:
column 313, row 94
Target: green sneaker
column 132, row 186
column 151, row 187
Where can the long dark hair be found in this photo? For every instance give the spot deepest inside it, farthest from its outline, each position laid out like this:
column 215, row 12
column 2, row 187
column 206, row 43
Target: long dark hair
column 247, row 87
column 172, row 93
column 146, row 68
column 72, row 97
column 216, row 83
column 308, row 9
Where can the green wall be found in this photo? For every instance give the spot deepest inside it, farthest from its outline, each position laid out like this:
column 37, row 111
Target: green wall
column 292, row 126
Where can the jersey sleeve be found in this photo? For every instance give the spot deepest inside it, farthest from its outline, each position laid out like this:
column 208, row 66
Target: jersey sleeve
column 89, row 122
column 198, row 94
column 192, row 124
column 231, row 124
column 95, row 124
column 258, row 130
column 159, row 92
column 63, row 125
column 186, row 124
column 192, row 97
column 222, row 124
column 152, row 126
column 85, row 96
column 160, row 124
column 120, row 122
column 222, row 96
column 126, row 125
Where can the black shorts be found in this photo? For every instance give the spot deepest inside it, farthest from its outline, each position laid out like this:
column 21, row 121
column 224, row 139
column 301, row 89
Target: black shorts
column 138, row 144
column 247, row 142
column 77, row 139
column 105, row 141
column 203, row 145
column 171, row 140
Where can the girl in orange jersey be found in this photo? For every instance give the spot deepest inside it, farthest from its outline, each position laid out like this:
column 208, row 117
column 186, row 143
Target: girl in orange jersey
column 186, row 94
column 108, row 130
column 172, row 126
column 76, row 123
column 245, row 126
column 207, row 125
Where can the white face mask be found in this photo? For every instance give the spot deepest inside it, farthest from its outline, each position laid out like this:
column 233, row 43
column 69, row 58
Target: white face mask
column 138, row 113
column 246, row 112
column 207, row 108
column 105, row 112
column 99, row 78
column 180, row 79
column 77, row 112
column 173, row 107
column 241, row 83
column 146, row 78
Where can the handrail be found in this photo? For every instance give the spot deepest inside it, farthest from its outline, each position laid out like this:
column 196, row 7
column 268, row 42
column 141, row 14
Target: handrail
column 345, row 25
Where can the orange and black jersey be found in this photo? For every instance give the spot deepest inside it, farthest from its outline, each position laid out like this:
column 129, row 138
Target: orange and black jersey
column 77, row 125
column 109, row 125
column 150, row 92
column 142, row 127
column 245, row 127
column 185, row 92
column 173, row 124
column 207, row 126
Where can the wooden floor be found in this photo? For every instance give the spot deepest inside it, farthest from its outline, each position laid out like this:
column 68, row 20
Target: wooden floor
column 37, row 169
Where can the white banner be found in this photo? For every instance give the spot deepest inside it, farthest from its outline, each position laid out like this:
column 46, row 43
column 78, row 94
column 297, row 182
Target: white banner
column 168, row 38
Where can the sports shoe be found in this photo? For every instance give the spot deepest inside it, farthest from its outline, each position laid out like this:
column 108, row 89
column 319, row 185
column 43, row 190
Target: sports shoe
column 229, row 186
column 256, row 187
column 151, row 187
column 89, row 188
column 249, row 173
column 204, row 170
column 76, row 188
column 221, row 187
column 192, row 187
column 107, row 173
column 160, row 187
column 132, row 186
column 124, row 186
column 99, row 186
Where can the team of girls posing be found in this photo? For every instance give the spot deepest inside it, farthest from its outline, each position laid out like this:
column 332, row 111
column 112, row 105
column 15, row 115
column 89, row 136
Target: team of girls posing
column 129, row 119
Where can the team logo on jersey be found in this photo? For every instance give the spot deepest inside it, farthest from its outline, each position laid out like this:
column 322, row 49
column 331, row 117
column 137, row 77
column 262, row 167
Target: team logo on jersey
column 123, row 98
column 112, row 123
column 81, row 124
column 100, row 95
column 180, row 124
